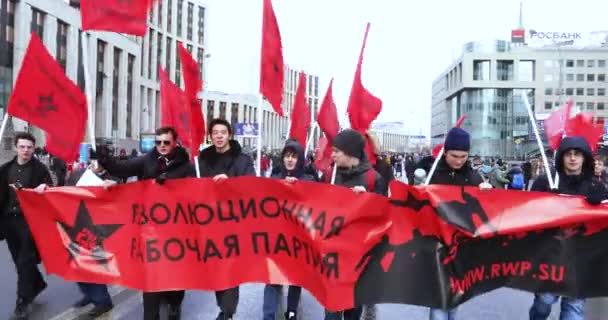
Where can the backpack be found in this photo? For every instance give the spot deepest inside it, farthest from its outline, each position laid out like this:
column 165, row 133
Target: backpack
column 518, row 181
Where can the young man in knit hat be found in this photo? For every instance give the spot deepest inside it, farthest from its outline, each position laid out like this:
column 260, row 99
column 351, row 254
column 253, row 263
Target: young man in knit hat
column 355, row 172
column 454, row 168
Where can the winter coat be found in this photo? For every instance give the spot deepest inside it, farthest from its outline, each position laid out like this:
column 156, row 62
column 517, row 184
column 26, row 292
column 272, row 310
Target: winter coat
column 582, row 184
column 498, row 179
column 40, row 175
column 148, row 166
column 513, row 172
column 464, row 176
column 358, row 176
column 234, row 163
column 385, row 170
column 300, row 172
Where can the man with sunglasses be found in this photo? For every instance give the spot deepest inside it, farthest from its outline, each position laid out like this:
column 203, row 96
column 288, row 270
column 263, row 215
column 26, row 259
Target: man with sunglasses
column 223, row 160
column 167, row 161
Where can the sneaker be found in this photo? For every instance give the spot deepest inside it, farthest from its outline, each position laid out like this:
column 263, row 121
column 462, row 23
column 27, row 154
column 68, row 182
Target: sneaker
column 290, row 315
column 82, row 302
column 223, row 316
column 99, row 311
column 21, row 309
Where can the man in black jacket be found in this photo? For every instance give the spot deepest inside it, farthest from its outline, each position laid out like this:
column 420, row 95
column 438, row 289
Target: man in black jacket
column 292, row 169
column 223, row 160
column 575, row 167
column 355, row 172
column 24, row 171
column 454, row 168
column 166, row 161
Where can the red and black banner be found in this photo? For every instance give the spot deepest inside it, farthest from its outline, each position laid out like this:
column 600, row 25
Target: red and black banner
column 433, row 246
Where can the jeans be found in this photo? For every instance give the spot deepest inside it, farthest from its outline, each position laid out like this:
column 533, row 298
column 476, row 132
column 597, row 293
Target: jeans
column 272, row 294
column 439, row 314
column 571, row 308
column 350, row 314
column 228, row 300
column 96, row 293
column 153, row 300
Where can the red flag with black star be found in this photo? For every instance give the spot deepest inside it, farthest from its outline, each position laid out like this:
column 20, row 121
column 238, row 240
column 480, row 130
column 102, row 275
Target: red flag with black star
column 45, row 97
column 271, row 69
column 300, row 116
column 175, row 110
column 194, row 84
column 124, row 16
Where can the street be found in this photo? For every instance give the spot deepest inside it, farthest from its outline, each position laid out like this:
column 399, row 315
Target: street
column 55, row 303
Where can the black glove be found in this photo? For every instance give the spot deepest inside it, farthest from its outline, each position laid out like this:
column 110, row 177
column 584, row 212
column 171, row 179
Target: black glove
column 596, row 196
column 161, row 179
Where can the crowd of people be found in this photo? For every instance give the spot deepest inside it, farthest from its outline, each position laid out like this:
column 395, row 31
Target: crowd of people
column 580, row 174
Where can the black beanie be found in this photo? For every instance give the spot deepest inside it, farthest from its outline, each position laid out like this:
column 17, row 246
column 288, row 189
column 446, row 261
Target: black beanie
column 458, row 140
column 350, row 142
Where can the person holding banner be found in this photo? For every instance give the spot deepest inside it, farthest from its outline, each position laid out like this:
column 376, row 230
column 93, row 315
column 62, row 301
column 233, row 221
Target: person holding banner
column 454, row 168
column 223, row 160
column 355, row 172
column 24, row 171
column 291, row 169
column 166, row 161
column 575, row 166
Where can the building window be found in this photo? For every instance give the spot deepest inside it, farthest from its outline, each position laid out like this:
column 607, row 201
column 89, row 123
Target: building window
column 38, row 22
column 201, row 25
column 526, row 70
column 234, row 113
column 189, row 47
column 80, row 76
column 580, row 91
column 169, row 15
column 590, row 63
column 159, row 46
column 590, row 92
column 180, row 9
column 569, row 63
column 589, row 105
column 189, row 22
column 130, row 62
column 548, row 105
column 601, row 77
column 601, row 92
column 210, row 107
column 580, row 77
column 600, row 105
column 178, row 67
column 62, row 43
column 591, row 77
column 481, row 70
column 548, row 91
column 504, row 70
column 580, row 63
column 570, row 77
column 601, row 63
column 580, row 105
column 115, row 73
column 548, row 77
column 151, row 40
column 200, row 55
column 168, row 46
column 160, row 15
column 570, row 91
column 101, row 50
column 223, row 110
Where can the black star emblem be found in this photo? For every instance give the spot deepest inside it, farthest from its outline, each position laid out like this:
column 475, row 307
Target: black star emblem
column 46, row 104
column 85, row 239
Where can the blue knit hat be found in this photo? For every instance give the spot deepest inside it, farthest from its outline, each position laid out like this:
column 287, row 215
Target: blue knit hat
column 457, row 139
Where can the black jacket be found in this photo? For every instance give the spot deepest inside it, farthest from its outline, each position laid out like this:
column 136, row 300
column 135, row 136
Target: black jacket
column 148, row 166
column 583, row 184
column 384, row 169
column 358, row 176
column 300, row 172
column 465, row 176
column 40, row 175
column 233, row 164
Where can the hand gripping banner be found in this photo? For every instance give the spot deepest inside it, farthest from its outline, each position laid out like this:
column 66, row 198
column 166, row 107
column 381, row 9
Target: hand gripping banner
column 434, row 246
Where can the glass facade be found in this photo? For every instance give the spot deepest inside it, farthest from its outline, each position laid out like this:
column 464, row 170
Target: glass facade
column 504, row 70
column 481, row 70
column 7, row 36
column 488, row 46
column 526, row 70
column 495, row 119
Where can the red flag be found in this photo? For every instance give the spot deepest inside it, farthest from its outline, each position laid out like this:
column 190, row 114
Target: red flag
column 175, row 110
column 300, row 116
column 323, row 158
column 194, row 84
column 328, row 116
column 556, row 125
column 437, row 150
column 271, row 69
column 363, row 107
column 460, row 121
column 116, row 15
column 583, row 125
column 46, row 98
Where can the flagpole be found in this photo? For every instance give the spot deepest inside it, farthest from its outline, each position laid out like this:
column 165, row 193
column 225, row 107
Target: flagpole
column 310, row 138
column 538, row 140
column 434, row 167
column 87, row 87
column 4, row 124
column 197, row 167
column 333, row 174
column 260, row 121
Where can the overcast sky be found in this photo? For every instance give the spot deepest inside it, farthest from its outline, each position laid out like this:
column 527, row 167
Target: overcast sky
column 410, row 42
